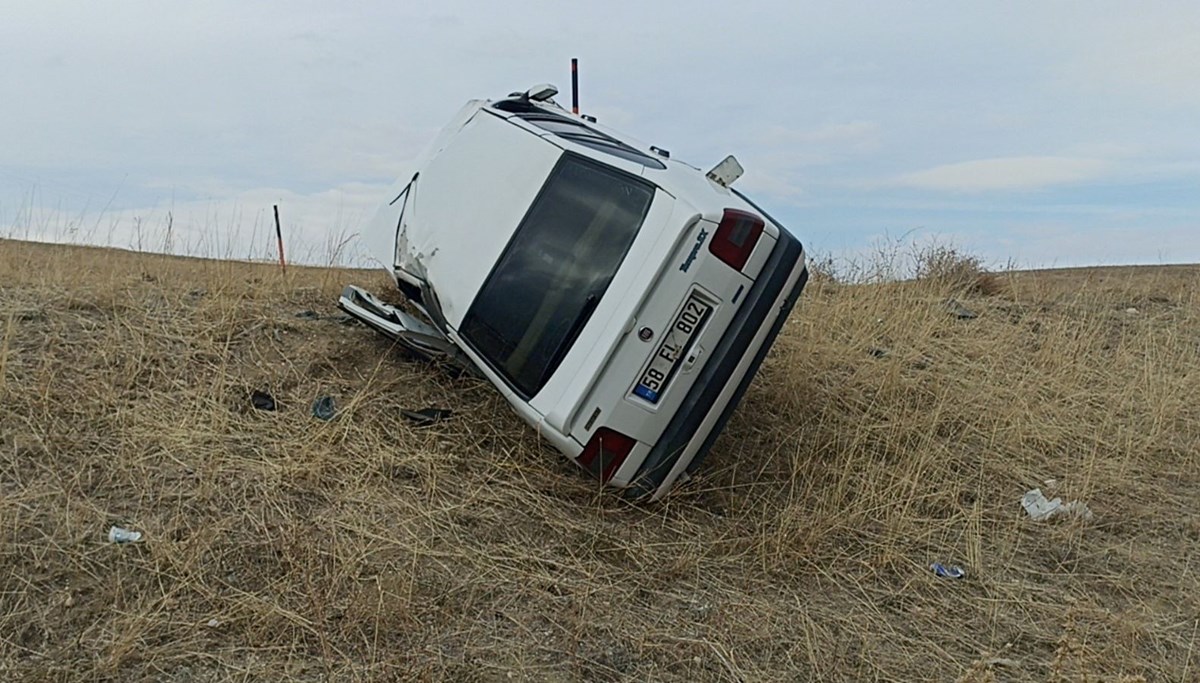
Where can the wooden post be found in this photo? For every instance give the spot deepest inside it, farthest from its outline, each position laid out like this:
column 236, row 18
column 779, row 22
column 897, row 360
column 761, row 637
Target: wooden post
column 279, row 238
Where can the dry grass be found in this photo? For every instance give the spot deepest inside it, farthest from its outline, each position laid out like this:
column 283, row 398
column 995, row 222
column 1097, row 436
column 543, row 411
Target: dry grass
column 882, row 435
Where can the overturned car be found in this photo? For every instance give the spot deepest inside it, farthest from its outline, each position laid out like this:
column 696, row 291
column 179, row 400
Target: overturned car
column 620, row 300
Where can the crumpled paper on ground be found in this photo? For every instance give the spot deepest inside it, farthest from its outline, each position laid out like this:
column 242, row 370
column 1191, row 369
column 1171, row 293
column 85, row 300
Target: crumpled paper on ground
column 1040, row 509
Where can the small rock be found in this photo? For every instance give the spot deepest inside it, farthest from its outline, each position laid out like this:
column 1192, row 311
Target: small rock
column 213, row 623
column 878, row 352
column 1131, row 310
column 308, row 315
column 261, row 400
column 1002, row 661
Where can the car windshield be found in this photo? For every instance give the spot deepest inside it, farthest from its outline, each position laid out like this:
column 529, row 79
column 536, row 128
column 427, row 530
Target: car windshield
column 555, row 269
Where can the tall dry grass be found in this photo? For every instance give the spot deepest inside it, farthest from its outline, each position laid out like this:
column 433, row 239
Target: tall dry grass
column 882, row 434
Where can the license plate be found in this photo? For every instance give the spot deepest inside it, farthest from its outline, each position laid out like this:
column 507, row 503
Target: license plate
column 675, row 344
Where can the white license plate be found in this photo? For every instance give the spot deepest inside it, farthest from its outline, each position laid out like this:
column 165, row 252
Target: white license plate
column 675, row 344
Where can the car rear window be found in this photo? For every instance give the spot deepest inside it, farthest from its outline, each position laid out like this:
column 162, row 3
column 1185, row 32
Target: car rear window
column 555, row 269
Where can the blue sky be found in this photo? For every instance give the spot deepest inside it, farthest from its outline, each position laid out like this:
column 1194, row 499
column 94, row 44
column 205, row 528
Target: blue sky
column 1041, row 133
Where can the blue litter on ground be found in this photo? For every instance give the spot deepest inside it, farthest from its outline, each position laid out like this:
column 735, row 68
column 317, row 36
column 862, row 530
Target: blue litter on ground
column 949, row 572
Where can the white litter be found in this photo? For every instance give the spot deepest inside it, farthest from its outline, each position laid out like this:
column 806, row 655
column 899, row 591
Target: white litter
column 1040, row 509
column 119, row 535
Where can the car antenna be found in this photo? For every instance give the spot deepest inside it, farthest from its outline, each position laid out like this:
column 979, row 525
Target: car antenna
column 575, row 86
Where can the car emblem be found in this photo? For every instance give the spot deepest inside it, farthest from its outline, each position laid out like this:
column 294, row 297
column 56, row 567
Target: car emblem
column 687, row 263
column 645, row 334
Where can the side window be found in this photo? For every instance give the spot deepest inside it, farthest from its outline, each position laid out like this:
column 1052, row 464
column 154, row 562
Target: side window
column 577, row 132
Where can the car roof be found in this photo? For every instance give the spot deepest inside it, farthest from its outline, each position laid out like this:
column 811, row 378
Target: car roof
column 677, row 178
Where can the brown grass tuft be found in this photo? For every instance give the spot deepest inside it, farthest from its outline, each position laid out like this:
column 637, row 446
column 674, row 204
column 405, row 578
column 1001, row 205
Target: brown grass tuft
column 882, row 434
column 948, row 267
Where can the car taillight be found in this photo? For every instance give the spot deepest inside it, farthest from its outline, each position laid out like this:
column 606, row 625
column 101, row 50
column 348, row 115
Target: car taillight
column 605, row 452
column 735, row 238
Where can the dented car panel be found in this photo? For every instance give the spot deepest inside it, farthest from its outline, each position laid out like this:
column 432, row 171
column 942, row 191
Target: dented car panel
column 451, row 241
column 620, row 301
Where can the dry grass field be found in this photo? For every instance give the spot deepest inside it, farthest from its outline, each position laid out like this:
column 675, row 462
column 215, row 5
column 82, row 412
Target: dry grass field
column 883, row 434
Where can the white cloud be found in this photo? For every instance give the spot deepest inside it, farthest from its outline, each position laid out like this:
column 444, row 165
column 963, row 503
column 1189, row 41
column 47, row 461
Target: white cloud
column 1006, row 173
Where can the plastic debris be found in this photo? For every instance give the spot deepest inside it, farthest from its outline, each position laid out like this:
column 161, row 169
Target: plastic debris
column 118, row 534
column 324, row 408
column 947, row 571
column 959, row 311
column 1040, row 509
column 427, row 416
column 1131, row 311
column 261, row 400
column 213, row 623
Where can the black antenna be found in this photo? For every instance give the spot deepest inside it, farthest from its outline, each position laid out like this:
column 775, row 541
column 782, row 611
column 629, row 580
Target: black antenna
column 574, row 85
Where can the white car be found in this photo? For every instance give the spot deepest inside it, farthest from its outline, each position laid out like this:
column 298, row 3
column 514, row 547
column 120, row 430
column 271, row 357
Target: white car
column 620, row 300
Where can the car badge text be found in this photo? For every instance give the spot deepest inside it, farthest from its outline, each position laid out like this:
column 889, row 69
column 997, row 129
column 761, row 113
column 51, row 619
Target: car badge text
column 687, row 263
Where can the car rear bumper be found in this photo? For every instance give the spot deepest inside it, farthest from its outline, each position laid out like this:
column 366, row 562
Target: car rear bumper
column 710, row 402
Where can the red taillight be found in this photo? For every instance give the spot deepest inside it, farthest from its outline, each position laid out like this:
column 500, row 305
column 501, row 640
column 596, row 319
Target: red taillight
column 605, row 452
column 736, row 236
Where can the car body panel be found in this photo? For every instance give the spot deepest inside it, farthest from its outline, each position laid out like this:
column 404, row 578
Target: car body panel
column 451, row 241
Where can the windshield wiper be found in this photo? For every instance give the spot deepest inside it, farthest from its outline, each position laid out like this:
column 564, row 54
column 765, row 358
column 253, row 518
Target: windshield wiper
column 589, row 305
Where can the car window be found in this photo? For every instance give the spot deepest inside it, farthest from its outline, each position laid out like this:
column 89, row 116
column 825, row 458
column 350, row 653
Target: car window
column 577, row 132
column 555, row 269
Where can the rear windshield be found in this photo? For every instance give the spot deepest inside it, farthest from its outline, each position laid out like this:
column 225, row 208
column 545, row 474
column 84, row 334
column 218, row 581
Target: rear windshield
column 555, row 269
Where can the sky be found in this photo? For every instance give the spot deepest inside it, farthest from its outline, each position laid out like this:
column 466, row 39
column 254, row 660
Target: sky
column 1035, row 134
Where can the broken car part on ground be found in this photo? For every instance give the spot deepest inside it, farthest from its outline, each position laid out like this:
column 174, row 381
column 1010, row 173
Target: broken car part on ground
column 620, row 300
